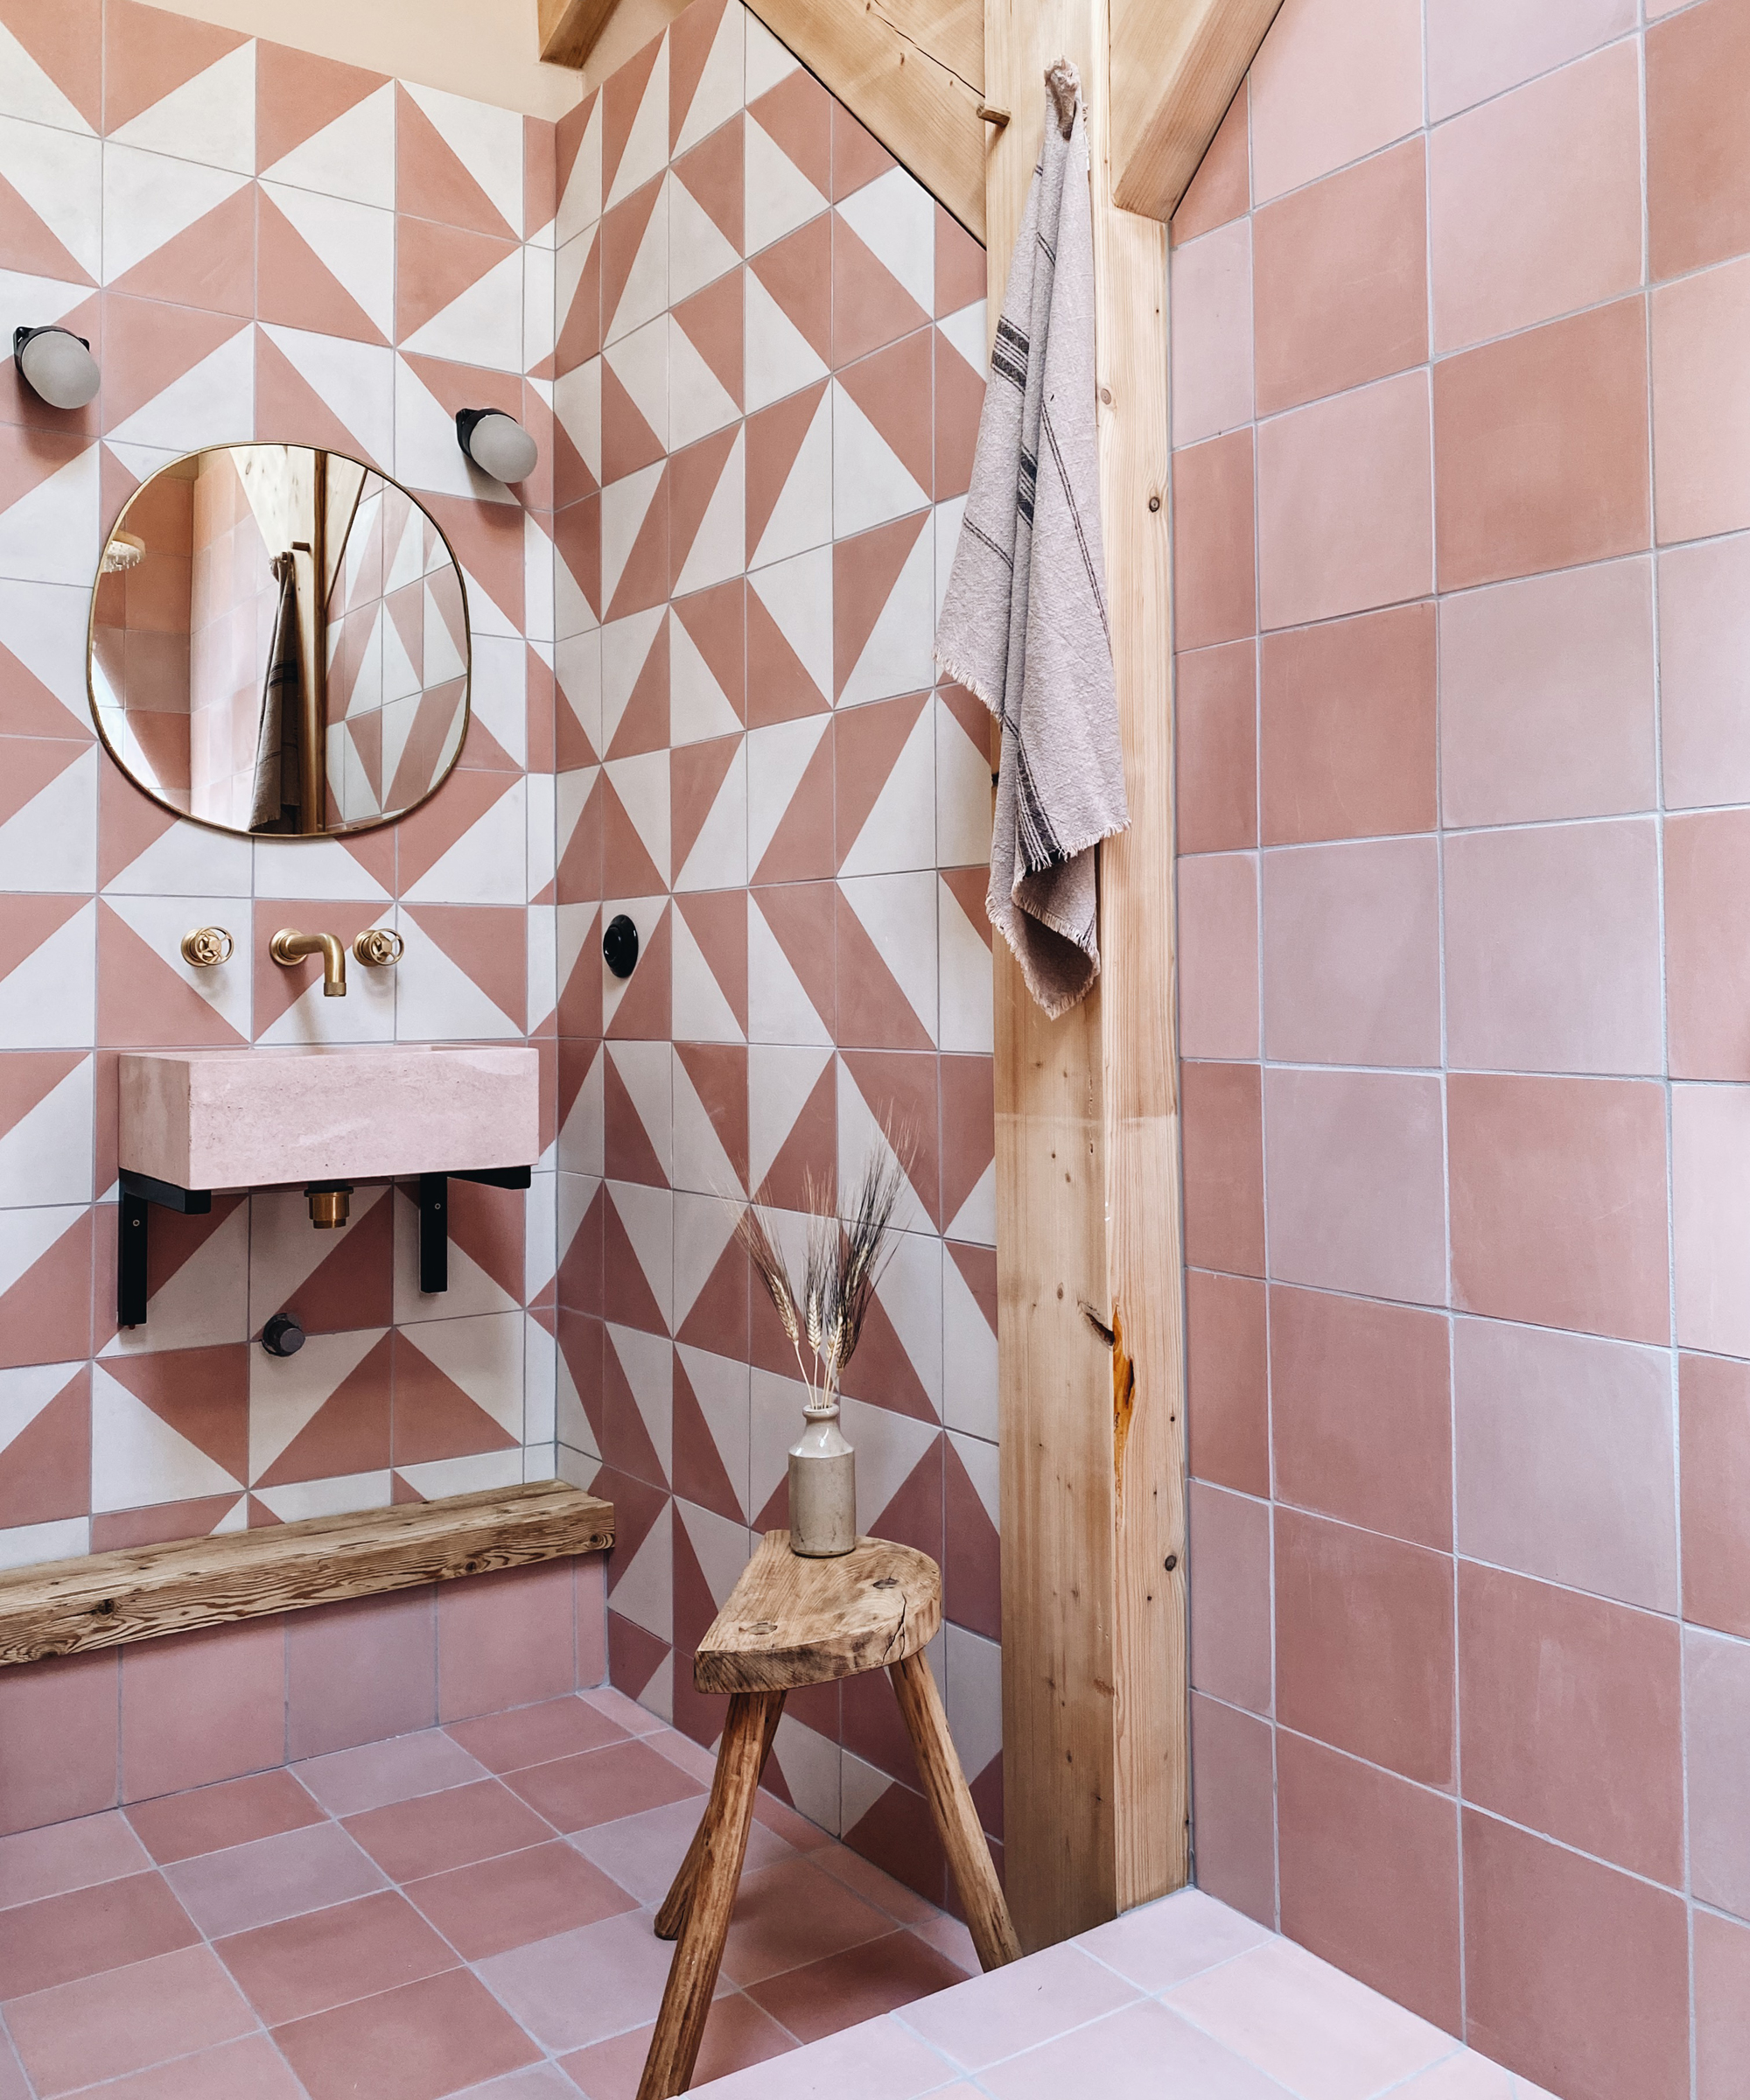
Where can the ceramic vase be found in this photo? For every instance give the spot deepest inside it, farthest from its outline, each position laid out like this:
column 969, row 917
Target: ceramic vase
column 822, row 1487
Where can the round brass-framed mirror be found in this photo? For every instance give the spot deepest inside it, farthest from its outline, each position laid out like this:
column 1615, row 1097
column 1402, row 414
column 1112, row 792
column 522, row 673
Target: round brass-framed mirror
column 278, row 643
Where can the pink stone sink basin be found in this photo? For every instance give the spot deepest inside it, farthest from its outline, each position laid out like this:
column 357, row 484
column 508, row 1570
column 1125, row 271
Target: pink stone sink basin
column 241, row 1119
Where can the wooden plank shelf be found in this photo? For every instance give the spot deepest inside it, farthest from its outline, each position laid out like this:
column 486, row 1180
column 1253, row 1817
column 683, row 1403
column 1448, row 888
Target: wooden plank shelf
column 63, row 1607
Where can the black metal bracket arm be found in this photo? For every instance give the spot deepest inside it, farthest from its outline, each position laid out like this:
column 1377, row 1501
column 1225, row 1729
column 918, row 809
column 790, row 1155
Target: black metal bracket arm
column 434, row 1217
column 139, row 1192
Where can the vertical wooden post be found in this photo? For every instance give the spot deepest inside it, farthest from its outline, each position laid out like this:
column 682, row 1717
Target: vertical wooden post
column 1094, row 1694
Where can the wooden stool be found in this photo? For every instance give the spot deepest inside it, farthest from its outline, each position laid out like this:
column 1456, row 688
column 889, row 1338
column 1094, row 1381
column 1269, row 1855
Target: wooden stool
column 791, row 1622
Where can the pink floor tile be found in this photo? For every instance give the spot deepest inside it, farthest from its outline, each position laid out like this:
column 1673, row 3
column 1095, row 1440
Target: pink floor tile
column 539, row 2082
column 692, row 1758
column 1310, row 2027
column 12, row 2085
column 348, row 1782
column 63, row 1856
column 737, row 2035
column 947, row 1935
column 536, row 1735
column 436, row 1831
column 1466, row 2076
column 623, row 1712
column 328, row 1958
column 879, row 1977
column 495, row 1904
column 783, row 1821
column 642, row 1852
column 274, row 1878
column 600, row 1786
column 865, row 1879
column 123, row 2020
column 236, row 1811
column 1143, row 2049
column 583, row 1986
column 1164, row 1943
column 89, row 1930
column 426, row 2038
column 878, row 2061
column 791, row 1913
column 992, row 2017
column 249, row 2068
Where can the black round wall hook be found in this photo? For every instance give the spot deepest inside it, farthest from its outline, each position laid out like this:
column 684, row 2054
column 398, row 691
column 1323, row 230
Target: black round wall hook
column 619, row 946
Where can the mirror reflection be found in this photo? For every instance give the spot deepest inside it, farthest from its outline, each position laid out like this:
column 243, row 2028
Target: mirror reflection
column 279, row 642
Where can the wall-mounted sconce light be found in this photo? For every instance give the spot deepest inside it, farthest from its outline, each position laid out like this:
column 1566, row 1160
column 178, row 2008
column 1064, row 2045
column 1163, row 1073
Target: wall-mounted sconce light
column 496, row 443
column 57, row 364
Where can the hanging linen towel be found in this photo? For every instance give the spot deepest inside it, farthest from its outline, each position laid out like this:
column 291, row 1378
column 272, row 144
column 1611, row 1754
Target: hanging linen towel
column 275, row 805
column 1024, row 624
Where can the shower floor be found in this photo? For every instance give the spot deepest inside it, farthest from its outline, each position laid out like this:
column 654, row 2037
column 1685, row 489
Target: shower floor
column 463, row 1911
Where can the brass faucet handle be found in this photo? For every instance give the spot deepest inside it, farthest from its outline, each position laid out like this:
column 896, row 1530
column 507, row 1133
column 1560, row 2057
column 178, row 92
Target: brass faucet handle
column 206, row 945
column 378, row 945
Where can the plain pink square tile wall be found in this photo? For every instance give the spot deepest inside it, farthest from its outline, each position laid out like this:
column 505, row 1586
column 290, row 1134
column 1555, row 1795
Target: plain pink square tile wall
column 1462, row 616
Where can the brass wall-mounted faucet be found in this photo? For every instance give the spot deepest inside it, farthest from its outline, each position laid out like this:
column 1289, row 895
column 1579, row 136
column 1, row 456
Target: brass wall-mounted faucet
column 288, row 948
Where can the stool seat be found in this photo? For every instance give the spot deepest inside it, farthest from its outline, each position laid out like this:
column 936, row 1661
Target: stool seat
column 791, row 1621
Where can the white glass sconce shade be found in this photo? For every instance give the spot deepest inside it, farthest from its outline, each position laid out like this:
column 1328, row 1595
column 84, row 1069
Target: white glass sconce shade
column 496, row 443
column 57, row 365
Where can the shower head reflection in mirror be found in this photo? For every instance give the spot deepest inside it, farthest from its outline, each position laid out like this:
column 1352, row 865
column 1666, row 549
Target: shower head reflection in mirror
column 279, row 642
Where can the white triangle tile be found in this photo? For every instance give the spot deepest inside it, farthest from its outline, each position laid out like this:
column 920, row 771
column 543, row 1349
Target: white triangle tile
column 910, row 1287
column 338, row 1495
column 648, row 1216
column 778, row 359
column 26, row 1236
column 574, row 621
column 539, row 619
column 400, row 680
column 898, row 912
column 718, row 858
column 426, row 454
column 643, row 1070
column 967, row 1018
column 485, row 139
column 206, row 1301
column 210, row 118
column 624, row 506
column 49, row 1000
column 51, row 533
column 780, row 1078
column 191, row 860
column 581, row 204
column 976, row 1220
column 59, row 175
column 577, row 403
column 217, row 394
column 543, row 994
column 484, row 1356
column 700, row 1164
column 24, row 1393
column 644, row 297
column 720, row 1546
column 698, row 707
column 969, row 1366
column 45, row 1156
column 967, row 332
column 775, row 1406
column 498, row 692
column 486, row 616
column 641, row 783
column 39, row 302
column 779, row 197
column 646, row 914
column 539, row 319
column 802, row 518
column 948, row 520
column 888, row 1448
column 702, row 1014
column 312, row 868
column 472, row 1291
column 900, row 829
column 284, row 1252
column 896, row 658
column 542, row 790
column 779, row 1009
column 51, row 843
column 699, row 251
column 45, row 631
column 719, row 550
column 798, row 595
column 860, row 1137
column 570, row 797
column 861, row 1785
column 964, row 799
column 808, row 1762
column 581, row 1140
column 287, row 1392
column 366, row 1016
column 352, row 157
column 539, row 1262
column 27, row 91
column 895, row 217
column 570, row 1420
column 720, row 1386
column 436, row 999
column 355, row 242
column 639, row 363
column 647, row 144
column 768, row 60
column 703, row 1227
column 698, row 401
column 718, row 94
column 644, row 1590
column 778, row 756
column 870, row 485
column 482, row 325
column 476, row 1474
column 136, row 1458
column 162, row 921
column 487, row 865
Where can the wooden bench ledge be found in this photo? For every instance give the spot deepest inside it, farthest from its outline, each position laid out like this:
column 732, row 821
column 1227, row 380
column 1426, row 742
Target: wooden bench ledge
column 66, row 1606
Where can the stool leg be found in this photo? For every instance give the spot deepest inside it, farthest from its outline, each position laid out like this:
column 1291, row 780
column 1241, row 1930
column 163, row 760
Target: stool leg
column 956, row 1820
column 680, row 2024
column 672, row 1914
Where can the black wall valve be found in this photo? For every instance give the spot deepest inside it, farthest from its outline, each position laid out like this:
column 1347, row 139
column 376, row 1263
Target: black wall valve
column 619, row 946
column 283, row 1336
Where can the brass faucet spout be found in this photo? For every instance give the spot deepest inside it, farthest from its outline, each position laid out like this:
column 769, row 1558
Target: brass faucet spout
column 288, row 948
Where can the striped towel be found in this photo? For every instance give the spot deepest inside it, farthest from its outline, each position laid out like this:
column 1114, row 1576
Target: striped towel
column 1024, row 624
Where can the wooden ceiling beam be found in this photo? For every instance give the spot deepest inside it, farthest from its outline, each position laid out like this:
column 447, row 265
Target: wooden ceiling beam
column 569, row 29
column 1175, row 68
